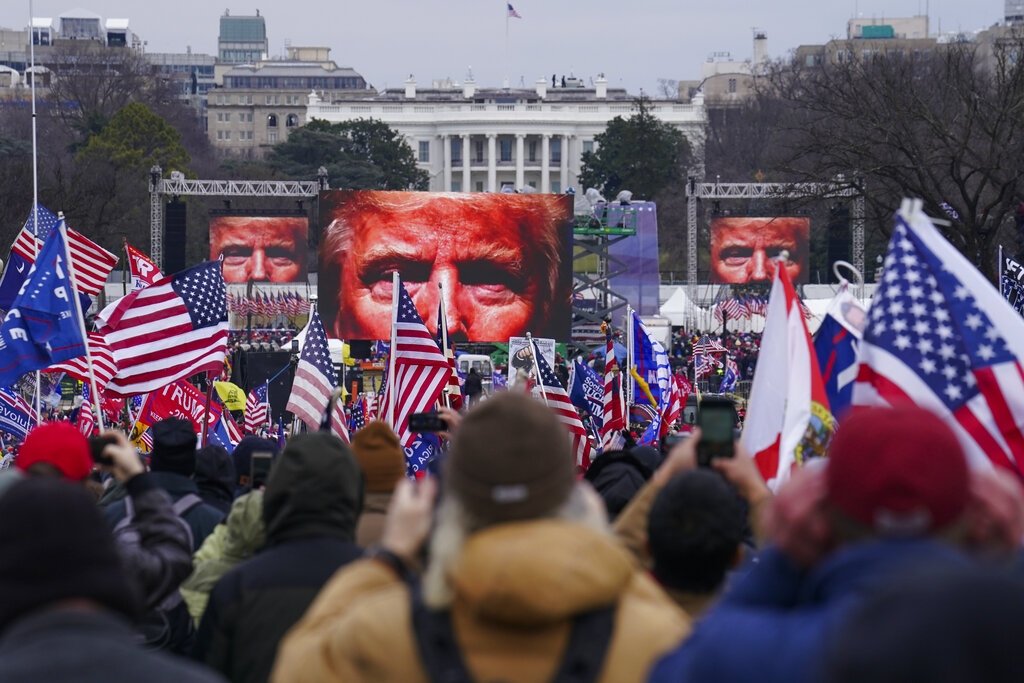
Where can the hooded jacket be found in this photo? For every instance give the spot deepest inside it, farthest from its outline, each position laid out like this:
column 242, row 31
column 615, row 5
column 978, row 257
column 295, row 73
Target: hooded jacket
column 310, row 508
column 230, row 544
column 518, row 587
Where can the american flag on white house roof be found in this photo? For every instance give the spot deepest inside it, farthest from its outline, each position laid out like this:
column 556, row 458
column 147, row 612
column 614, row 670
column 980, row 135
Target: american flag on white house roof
column 940, row 335
column 315, row 381
column 172, row 329
column 421, row 371
column 556, row 398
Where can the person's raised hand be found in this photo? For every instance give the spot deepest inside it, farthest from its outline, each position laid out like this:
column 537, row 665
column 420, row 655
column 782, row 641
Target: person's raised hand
column 797, row 521
column 741, row 471
column 126, row 462
column 409, row 517
column 453, row 418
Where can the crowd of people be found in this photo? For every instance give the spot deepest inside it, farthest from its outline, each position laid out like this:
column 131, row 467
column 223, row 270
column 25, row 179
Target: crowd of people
column 891, row 559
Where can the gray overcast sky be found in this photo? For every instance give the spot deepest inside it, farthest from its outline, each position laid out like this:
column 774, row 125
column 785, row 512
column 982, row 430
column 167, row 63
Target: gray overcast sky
column 633, row 42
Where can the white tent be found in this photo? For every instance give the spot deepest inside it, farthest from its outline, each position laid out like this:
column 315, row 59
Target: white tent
column 678, row 308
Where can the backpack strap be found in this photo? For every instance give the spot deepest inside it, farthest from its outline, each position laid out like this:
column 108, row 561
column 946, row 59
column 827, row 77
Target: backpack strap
column 584, row 656
column 581, row 662
column 435, row 639
column 186, row 503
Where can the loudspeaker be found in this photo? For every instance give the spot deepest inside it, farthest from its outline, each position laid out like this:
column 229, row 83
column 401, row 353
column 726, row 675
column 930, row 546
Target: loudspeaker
column 174, row 236
column 252, row 369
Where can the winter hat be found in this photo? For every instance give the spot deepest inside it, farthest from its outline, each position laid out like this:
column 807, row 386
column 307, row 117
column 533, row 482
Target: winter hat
column 174, row 446
column 380, row 456
column 900, row 471
column 510, row 459
column 59, row 444
column 57, row 547
column 315, row 489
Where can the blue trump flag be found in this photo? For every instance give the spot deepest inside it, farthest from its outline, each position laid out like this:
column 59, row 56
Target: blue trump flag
column 18, row 265
column 586, row 391
column 42, row 327
column 835, row 345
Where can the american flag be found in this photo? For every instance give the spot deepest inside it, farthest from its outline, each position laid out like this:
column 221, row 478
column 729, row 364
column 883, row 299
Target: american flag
column 556, row 398
column 358, row 419
column 421, row 371
column 172, row 329
column 256, row 409
column 703, row 364
column 103, row 363
column 614, row 419
column 315, row 381
column 707, row 345
column 92, row 262
column 941, row 336
column 86, row 420
column 512, row 13
column 741, row 305
column 234, row 433
column 671, row 409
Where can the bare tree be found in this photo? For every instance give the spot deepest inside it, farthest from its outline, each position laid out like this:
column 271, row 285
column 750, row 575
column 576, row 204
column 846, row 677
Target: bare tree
column 944, row 125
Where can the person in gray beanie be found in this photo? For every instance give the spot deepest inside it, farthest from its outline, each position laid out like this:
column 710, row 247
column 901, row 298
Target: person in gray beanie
column 520, row 559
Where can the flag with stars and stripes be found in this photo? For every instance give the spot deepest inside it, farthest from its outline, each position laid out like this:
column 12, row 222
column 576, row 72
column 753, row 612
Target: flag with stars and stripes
column 92, row 262
column 42, row 326
column 940, row 335
column 613, row 413
column 17, row 264
column 315, row 380
column 556, row 398
column 103, row 364
column 86, row 419
column 256, row 409
column 421, row 371
column 706, row 345
column 175, row 328
column 358, row 419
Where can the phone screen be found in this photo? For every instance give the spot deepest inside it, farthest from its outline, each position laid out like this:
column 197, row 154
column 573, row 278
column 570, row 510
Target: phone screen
column 717, row 420
column 260, row 467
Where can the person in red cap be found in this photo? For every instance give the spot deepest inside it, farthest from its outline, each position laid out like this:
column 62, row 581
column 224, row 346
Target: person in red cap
column 895, row 494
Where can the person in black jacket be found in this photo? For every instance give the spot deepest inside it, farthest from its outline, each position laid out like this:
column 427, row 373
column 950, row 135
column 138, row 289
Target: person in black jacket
column 172, row 466
column 311, row 505
column 66, row 602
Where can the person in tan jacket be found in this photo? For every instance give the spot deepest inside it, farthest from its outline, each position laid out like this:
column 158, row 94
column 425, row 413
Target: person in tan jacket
column 382, row 460
column 520, row 557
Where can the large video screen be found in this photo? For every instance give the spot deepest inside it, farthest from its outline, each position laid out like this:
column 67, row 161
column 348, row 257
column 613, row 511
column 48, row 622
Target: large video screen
column 742, row 248
column 503, row 262
column 261, row 248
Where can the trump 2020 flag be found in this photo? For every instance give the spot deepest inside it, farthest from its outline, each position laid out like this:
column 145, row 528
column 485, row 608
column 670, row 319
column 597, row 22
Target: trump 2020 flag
column 835, row 345
column 42, row 326
column 1011, row 281
column 941, row 336
column 788, row 417
column 586, row 391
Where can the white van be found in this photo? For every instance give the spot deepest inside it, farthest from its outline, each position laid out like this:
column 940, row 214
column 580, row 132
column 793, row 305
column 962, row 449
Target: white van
column 483, row 365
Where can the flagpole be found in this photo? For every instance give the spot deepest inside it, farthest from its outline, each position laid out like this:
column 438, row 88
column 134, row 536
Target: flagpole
column 536, row 366
column 97, row 399
column 395, row 284
column 999, row 278
column 506, row 83
column 629, row 356
column 127, row 267
column 442, row 326
column 35, row 175
column 206, row 411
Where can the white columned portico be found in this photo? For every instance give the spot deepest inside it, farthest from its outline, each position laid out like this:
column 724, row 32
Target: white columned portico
column 466, row 187
column 446, row 144
column 564, row 168
column 545, row 164
column 492, row 162
column 520, row 161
